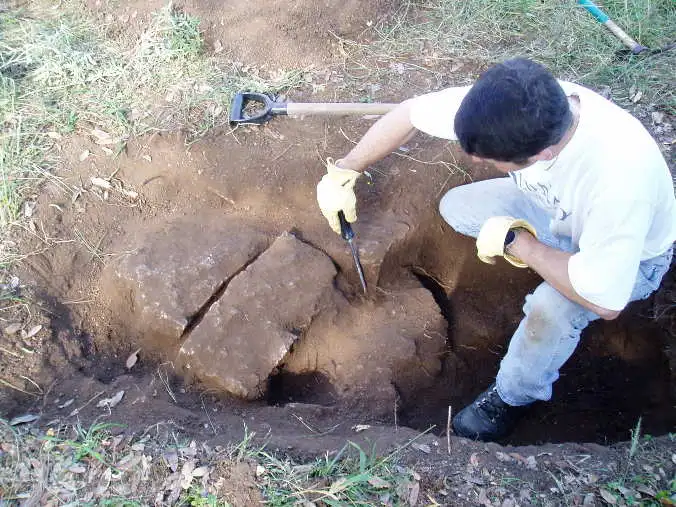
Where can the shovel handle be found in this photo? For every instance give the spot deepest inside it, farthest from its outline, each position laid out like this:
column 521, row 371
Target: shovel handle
column 338, row 108
column 605, row 20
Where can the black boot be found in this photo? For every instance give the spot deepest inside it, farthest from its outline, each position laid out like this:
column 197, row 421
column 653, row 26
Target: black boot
column 487, row 418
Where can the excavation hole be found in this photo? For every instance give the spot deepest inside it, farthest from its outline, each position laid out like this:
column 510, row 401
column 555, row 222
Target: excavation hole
column 310, row 387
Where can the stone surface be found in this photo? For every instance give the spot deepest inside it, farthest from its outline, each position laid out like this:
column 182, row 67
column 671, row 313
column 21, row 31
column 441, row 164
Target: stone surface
column 172, row 271
column 367, row 350
column 261, row 313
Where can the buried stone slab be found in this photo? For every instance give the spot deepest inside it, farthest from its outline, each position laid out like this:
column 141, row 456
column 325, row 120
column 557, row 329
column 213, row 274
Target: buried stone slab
column 263, row 310
column 172, row 273
column 375, row 352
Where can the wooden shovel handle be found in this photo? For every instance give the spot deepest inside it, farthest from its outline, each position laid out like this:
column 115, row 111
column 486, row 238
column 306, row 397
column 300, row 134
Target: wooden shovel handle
column 337, row 108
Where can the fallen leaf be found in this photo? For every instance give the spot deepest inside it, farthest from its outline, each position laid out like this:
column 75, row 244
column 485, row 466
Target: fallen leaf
column 483, row 498
column 33, row 331
column 66, row 403
column 171, row 459
column 422, row 447
column 101, row 183
column 502, row 456
column 83, row 156
column 608, row 496
column 111, row 402
column 531, row 463
column 413, row 496
column 337, row 486
column 104, row 483
column 130, row 193
column 186, row 473
column 657, row 117
column 646, row 490
column 378, row 483
column 200, row 471
column 13, row 328
column 102, row 137
column 22, row 419
column 133, row 357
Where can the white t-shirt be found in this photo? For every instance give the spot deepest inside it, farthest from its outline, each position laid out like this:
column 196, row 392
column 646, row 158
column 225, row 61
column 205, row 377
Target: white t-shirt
column 609, row 190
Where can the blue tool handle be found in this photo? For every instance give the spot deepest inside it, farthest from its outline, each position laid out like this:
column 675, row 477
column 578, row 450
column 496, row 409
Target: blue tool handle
column 345, row 228
column 594, row 9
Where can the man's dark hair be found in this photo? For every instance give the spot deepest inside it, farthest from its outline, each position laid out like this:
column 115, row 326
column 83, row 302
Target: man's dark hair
column 514, row 111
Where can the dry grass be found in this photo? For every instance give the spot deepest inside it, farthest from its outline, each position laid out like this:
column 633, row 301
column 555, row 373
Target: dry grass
column 557, row 33
column 60, row 75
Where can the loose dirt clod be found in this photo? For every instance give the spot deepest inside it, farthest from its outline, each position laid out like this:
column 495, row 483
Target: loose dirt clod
column 262, row 312
column 373, row 353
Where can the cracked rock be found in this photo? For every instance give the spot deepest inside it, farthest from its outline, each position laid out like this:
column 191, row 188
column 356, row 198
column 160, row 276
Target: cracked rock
column 263, row 310
column 172, row 271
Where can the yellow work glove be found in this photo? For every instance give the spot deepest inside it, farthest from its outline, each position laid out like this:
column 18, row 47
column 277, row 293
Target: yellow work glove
column 335, row 192
column 491, row 240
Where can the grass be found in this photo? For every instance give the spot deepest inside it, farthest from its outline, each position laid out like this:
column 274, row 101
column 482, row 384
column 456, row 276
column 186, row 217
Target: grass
column 46, row 465
column 350, row 477
column 557, row 33
column 60, row 74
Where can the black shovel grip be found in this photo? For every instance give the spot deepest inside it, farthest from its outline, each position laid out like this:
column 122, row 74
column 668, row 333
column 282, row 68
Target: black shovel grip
column 345, row 228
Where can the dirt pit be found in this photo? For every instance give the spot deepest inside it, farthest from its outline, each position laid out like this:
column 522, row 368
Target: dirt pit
column 225, row 276
column 211, row 264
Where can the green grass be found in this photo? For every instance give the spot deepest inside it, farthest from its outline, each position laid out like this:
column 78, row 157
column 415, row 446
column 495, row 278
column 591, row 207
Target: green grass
column 87, row 443
column 350, row 477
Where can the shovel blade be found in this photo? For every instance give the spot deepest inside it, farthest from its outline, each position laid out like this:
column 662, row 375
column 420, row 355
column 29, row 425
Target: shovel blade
column 241, row 111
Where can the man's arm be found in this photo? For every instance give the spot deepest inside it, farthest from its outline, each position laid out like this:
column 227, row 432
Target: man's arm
column 385, row 136
column 552, row 265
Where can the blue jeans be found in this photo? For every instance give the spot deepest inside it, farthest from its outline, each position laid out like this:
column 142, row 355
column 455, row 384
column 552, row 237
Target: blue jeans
column 551, row 328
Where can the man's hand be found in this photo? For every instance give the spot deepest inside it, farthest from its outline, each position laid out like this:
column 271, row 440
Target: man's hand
column 496, row 234
column 335, row 192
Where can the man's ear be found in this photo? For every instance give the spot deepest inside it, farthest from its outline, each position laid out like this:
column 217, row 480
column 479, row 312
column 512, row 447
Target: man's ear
column 546, row 154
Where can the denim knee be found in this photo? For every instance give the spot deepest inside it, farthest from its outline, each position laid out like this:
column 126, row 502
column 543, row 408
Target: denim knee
column 548, row 313
column 455, row 208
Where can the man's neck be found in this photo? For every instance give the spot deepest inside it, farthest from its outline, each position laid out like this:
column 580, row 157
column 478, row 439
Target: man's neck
column 574, row 102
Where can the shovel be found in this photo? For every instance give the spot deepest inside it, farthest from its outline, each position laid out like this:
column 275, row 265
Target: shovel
column 634, row 47
column 259, row 108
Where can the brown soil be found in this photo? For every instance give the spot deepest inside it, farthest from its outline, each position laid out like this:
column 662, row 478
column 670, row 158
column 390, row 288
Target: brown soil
column 363, row 359
column 620, row 373
column 280, row 34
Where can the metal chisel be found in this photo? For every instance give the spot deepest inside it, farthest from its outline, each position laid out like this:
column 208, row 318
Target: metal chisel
column 348, row 235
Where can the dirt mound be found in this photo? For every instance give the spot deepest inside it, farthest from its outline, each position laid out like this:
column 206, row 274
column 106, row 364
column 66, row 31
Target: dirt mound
column 275, row 34
column 372, row 352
